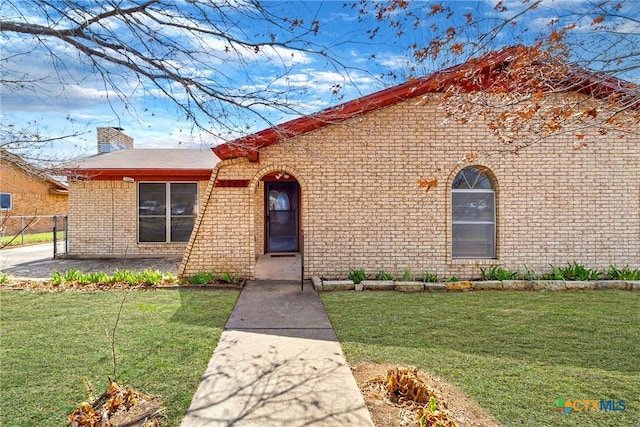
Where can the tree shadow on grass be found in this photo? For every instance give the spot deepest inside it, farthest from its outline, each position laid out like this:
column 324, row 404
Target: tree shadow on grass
column 208, row 308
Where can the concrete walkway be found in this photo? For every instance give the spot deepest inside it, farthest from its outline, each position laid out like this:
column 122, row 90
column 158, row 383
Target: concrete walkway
column 278, row 363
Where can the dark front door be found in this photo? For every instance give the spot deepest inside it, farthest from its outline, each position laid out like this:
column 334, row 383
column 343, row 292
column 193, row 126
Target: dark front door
column 282, row 216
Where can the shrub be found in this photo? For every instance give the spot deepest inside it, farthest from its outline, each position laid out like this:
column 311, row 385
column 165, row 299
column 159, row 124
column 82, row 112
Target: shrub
column 120, row 276
column 73, row 275
column 625, row 273
column 383, row 275
column 150, row 277
column 498, row 272
column 357, row 276
column 406, row 277
column 132, row 278
column 201, row 278
column 57, row 278
column 99, row 277
column 429, row 277
column 527, row 275
column 573, row 271
column 228, row 277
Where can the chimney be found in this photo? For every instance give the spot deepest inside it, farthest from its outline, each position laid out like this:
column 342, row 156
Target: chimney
column 113, row 139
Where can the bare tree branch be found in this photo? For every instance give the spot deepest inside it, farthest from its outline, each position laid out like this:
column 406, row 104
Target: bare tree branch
column 188, row 52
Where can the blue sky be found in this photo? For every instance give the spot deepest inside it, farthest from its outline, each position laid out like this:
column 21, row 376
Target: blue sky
column 82, row 102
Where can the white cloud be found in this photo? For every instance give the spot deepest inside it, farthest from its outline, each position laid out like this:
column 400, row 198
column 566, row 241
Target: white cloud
column 394, row 61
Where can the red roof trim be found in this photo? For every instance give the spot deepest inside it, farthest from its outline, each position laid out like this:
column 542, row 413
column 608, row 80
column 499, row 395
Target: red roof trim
column 473, row 75
column 435, row 82
column 141, row 174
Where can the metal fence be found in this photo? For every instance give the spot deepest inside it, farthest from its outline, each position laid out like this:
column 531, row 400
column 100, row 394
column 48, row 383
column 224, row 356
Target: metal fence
column 16, row 230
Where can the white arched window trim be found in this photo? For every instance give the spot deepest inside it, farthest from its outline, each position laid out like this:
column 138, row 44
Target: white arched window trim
column 473, row 214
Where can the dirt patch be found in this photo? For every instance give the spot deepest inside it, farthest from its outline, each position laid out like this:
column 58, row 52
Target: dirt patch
column 465, row 411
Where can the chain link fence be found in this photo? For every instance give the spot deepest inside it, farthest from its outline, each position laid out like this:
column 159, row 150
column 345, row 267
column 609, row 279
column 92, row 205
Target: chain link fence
column 22, row 229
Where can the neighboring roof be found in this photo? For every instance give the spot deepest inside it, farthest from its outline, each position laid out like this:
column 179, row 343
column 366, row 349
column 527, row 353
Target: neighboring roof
column 55, row 186
column 474, row 75
column 161, row 163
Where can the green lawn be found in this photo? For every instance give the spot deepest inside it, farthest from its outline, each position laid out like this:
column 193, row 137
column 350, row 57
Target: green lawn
column 515, row 353
column 12, row 240
column 51, row 342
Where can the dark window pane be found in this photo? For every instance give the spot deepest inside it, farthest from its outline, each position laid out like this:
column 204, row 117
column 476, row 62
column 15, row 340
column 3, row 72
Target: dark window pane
column 183, row 198
column 152, row 224
column 473, row 206
column 473, row 241
column 152, row 198
column 5, row 201
column 181, row 228
column 152, row 229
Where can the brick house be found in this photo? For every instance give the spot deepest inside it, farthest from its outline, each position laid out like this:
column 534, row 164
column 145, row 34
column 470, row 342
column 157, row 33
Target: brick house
column 342, row 186
column 29, row 196
column 127, row 202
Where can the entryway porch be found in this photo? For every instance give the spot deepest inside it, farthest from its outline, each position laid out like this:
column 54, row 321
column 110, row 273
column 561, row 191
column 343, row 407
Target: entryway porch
column 279, row 266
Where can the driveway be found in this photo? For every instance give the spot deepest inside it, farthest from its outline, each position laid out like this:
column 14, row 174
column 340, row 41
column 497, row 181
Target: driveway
column 36, row 262
column 15, row 255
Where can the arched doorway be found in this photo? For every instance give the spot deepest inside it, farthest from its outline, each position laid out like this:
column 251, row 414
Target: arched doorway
column 282, row 213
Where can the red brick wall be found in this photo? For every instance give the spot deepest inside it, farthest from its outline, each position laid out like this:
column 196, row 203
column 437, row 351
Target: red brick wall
column 32, row 198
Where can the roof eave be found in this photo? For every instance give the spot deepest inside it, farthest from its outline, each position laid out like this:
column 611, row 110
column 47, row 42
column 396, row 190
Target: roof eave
column 159, row 174
column 473, row 75
column 435, row 82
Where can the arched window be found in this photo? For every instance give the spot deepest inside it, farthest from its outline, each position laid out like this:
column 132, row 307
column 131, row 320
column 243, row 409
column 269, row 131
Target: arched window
column 473, row 214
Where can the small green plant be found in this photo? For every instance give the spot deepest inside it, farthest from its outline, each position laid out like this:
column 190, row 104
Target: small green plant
column 497, row 272
column 129, row 277
column 357, row 276
column 429, row 415
column 429, row 277
column 73, row 275
column 98, row 277
column 228, row 277
column 576, row 271
column 383, row 275
column 57, row 278
column 555, row 274
column 432, row 404
column 201, row 278
column 406, row 277
column 527, row 275
column 171, row 278
column 132, row 278
column 4, row 278
column 453, row 279
column 150, row 277
column 119, row 276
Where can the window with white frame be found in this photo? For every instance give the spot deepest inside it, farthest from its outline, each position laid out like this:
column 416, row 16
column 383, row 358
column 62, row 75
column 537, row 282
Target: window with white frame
column 473, row 214
column 166, row 211
column 5, row 201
